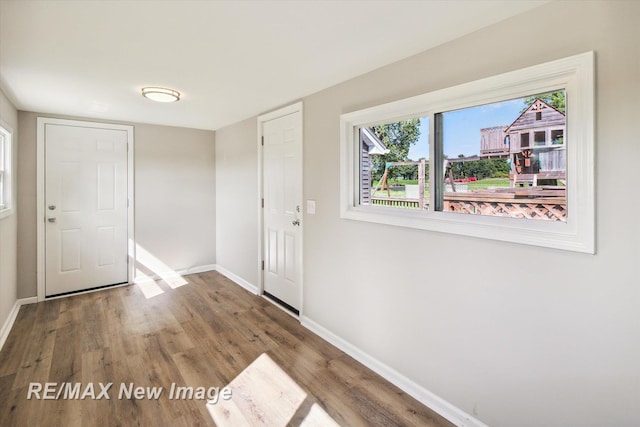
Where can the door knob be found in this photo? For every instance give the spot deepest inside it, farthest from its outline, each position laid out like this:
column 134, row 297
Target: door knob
column 52, row 207
column 296, row 222
column 51, row 219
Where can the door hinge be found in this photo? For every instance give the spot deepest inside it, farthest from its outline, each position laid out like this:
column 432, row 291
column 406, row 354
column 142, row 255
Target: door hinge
column 262, row 265
column 262, row 141
column 263, row 203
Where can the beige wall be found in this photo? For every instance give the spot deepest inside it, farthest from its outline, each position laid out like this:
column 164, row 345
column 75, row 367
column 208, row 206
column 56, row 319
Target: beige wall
column 512, row 334
column 9, row 225
column 27, row 256
column 237, row 203
column 175, row 195
column 174, row 190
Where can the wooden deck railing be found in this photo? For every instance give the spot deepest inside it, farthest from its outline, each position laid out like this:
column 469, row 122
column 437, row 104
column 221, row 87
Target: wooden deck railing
column 398, row 202
column 532, row 203
column 531, row 206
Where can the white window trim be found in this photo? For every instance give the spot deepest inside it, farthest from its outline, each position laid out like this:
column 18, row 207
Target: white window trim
column 8, row 185
column 575, row 74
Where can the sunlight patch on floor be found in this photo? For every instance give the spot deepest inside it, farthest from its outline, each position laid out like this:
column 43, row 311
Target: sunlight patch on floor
column 147, row 285
column 172, row 278
column 317, row 417
column 264, row 395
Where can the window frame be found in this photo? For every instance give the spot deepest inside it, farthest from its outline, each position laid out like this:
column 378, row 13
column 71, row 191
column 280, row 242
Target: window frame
column 6, row 182
column 574, row 74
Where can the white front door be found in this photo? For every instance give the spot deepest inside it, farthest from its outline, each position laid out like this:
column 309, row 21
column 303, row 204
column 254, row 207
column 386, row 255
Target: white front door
column 85, row 208
column 282, row 191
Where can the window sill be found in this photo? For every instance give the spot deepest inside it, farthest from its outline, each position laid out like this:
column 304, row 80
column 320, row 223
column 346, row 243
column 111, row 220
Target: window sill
column 6, row 212
column 555, row 235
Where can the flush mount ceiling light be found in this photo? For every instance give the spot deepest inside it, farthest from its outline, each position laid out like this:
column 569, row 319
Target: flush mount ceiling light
column 161, row 94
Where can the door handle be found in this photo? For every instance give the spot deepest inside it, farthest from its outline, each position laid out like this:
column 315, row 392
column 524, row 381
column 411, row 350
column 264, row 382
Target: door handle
column 295, row 222
column 51, row 219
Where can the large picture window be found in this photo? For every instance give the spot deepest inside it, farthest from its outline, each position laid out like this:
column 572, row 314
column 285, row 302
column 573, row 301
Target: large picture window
column 508, row 157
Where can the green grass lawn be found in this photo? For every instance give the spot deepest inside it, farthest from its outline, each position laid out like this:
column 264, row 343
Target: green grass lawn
column 400, row 182
column 488, row 182
column 395, row 194
column 476, row 185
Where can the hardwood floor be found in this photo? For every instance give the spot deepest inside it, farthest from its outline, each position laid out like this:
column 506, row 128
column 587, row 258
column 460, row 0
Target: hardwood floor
column 202, row 334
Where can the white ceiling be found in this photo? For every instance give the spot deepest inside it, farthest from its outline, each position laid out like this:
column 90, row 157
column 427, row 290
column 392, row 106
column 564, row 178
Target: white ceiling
column 230, row 59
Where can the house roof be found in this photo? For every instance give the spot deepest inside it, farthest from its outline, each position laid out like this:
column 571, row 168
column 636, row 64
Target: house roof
column 536, row 106
column 373, row 142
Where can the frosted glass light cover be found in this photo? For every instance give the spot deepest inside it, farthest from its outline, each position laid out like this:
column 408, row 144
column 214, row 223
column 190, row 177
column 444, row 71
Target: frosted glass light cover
column 160, row 94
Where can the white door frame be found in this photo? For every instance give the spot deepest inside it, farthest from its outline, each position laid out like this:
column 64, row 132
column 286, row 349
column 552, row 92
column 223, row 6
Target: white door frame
column 293, row 108
column 40, row 194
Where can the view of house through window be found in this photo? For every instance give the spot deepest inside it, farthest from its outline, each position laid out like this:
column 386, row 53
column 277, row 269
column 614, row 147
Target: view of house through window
column 503, row 159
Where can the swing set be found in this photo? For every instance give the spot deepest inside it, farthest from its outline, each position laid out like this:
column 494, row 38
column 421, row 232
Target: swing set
column 384, row 181
column 448, row 171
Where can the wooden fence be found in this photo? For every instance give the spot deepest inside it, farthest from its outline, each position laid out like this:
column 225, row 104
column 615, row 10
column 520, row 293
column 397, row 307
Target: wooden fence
column 548, row 205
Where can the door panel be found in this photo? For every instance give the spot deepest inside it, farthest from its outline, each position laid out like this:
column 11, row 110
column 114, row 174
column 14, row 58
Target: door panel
column 290, row 248
column 70, row 248
column 86, row 208
column 106, row 246
column 106, row 186
column 70, row 186
column 282, row 181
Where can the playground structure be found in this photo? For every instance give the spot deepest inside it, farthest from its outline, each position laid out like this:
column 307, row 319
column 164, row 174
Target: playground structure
column 384, row 182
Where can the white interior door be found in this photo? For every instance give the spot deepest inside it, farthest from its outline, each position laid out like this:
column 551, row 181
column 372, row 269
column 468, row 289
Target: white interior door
column 282, row 184
column 85, row 208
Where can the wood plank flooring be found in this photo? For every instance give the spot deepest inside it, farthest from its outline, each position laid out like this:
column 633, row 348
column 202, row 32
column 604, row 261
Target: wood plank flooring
column 202, row 334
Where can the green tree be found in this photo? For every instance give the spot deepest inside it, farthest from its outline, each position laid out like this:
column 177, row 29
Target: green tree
column 484, row 168
column 555, row 99
column 398, row 137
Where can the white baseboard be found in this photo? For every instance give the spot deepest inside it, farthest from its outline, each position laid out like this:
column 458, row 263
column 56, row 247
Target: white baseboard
column 435, row 403
column 201, row 269
column 197, row 269
column 174, row 273
column 239, row 280
column 8, row 324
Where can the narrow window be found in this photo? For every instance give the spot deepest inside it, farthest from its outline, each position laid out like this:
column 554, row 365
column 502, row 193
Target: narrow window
column 5, row 171
column 2, row 169
column 538, row 115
